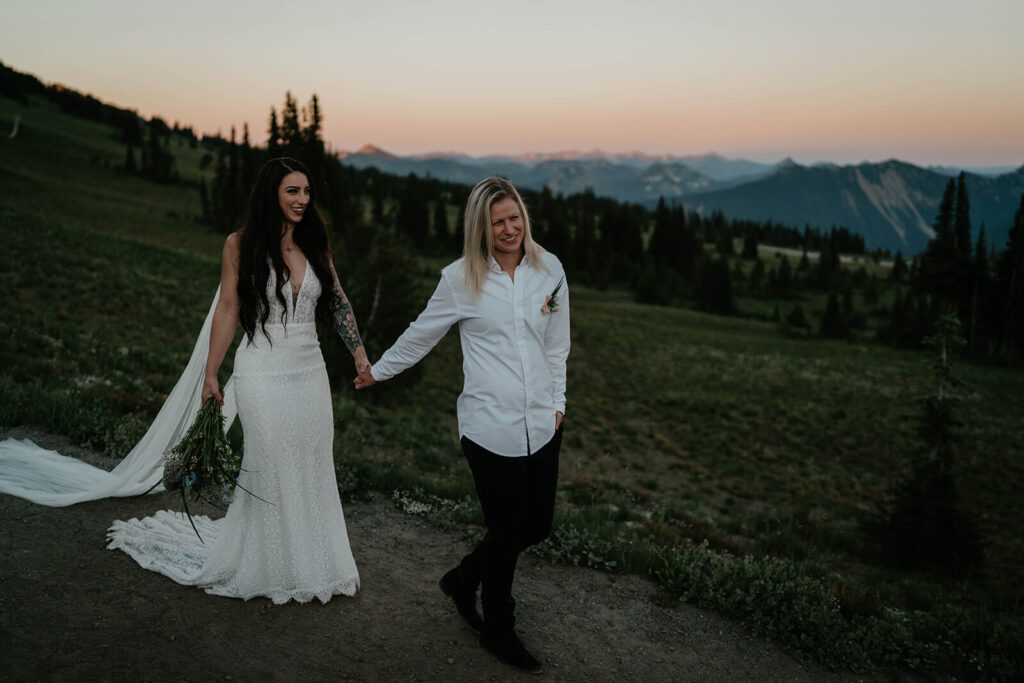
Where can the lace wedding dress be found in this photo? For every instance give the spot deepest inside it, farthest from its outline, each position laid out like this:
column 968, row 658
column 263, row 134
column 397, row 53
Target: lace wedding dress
column 292, row 544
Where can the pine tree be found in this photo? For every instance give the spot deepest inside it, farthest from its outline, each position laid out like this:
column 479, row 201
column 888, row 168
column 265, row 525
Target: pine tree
column 442, row 233
column 750, row 245
column 273, row 135
column 925, row 527
column 899, row 269
column 828, row 267
column 715, row 292
column 757, row 276
column 311, row 132
column 130, row 166
column 661, row 239
column 940, row 264
column 962, row 223
column 413, row 219
column 796, row 318
column 204, row 202
column 585, row 237
column 724, row 242
column 291, row 130
column 785, row 275
column 1011, row 290
column 979, row 335
column 833, row 325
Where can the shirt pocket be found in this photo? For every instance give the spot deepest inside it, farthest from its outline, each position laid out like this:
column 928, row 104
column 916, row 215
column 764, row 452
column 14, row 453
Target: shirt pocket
column 535, row 317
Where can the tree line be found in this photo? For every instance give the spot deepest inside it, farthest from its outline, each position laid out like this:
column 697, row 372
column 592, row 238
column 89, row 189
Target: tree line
column 666, row 256
column 979, row 284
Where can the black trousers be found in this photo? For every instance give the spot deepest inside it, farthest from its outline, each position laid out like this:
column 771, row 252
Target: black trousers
column 518, row 500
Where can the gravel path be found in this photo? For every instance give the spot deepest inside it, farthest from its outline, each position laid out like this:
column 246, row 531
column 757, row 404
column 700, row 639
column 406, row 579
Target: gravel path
column 72, row 610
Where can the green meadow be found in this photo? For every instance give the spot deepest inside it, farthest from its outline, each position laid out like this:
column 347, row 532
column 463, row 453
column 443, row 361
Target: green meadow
column 697, row 447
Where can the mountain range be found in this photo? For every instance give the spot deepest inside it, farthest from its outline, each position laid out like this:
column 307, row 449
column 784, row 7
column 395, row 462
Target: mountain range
column 891, row 203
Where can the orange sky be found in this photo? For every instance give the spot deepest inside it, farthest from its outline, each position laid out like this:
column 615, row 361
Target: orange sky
column 928, row 82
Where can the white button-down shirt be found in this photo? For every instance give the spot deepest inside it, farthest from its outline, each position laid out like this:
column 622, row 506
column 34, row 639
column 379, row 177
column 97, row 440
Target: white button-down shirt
column 513, row 354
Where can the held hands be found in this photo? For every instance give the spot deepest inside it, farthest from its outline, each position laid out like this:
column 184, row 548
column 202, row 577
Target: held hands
column 362, row 362
column 211, row 388
column 365, row 379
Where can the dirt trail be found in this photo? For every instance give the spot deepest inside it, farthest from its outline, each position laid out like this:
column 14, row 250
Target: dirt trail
column 72, row 610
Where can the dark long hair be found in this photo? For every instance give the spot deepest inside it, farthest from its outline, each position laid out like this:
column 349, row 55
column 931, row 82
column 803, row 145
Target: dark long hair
column 261, row 247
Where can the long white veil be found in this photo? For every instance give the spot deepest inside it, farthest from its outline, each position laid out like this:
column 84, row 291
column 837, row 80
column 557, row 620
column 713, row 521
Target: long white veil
column 49, row 478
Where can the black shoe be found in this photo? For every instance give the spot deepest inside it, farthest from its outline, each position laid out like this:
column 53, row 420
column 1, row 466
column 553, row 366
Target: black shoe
column 508, row 648
column 464, row 597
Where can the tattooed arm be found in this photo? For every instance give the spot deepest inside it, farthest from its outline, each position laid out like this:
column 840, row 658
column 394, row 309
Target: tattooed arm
column 345, row 324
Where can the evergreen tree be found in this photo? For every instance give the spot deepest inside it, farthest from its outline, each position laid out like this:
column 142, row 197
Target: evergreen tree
column 833, row 325
column 737, row 271
column 653, row 285
column 750, row 245
column 796, row 318
column 273, row 135
column 557, row 237
column 925, row 527
column 291, row 129
column 715, row 292
column 847, row 301
column 248, row 162
column 585, row 237
column 661, row 239
column 413, row 219
column 828, row 267
column 724, row 242
column 1010, row 276
column 158, row 164
column 757, row 276
column 784, row 278
column 377, row 209
column 311, row 132
column 804, row 265
column 130, row 167
column 965, row 269
column 204, row 202
column 940, row 266
column 962, row 223
column 685, row 250
column 442, row 233
column 899, row 269
column 982, row 294
column 871, row 293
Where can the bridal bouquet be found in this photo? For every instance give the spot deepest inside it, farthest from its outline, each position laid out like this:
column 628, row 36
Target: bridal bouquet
column 203, row 466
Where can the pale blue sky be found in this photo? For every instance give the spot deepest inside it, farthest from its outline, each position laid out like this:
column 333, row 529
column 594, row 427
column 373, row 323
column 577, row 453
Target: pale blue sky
column 929, row 82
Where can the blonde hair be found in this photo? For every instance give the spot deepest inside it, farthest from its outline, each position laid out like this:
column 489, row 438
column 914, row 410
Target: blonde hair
column 479, row 239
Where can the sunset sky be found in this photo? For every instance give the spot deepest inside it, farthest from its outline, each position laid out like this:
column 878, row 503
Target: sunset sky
column 925, row 81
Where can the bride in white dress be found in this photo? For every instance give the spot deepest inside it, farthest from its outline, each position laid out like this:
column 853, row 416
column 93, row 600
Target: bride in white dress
column 290, row 542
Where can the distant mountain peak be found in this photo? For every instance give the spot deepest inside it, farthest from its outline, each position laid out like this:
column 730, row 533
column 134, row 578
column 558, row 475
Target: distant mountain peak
column 369, row 150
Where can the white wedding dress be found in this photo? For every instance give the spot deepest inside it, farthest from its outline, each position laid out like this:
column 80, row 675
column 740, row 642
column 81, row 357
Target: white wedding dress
column 292, row 544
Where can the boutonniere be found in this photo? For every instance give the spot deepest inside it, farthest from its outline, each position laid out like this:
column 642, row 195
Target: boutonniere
column 551, row 300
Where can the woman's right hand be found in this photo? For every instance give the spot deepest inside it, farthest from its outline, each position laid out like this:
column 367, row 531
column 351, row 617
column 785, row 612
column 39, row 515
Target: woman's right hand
column 211, row 388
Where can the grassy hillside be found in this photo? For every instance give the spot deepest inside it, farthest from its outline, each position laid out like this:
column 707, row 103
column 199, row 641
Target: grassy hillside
column 681, row 426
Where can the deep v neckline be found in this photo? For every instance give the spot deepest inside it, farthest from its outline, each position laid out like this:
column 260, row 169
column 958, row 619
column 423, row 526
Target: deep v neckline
column 305, row 272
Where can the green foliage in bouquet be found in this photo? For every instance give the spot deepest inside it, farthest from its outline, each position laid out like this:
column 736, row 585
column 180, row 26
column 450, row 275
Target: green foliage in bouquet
column 203, row 466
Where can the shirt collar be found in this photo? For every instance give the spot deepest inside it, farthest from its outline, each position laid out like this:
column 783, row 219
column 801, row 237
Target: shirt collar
column 495, row 268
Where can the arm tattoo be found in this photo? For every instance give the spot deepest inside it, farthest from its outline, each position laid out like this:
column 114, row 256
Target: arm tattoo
column 344, row 318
